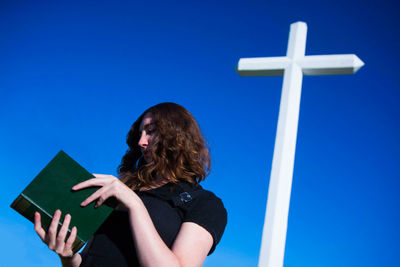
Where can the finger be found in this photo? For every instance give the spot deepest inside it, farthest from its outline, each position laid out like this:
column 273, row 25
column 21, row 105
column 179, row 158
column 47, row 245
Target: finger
column 89, row 183
column 71, row 239
column 108, row 192
column 93, row 196
column 62, row 234
column 52, row 232
column 38, row 226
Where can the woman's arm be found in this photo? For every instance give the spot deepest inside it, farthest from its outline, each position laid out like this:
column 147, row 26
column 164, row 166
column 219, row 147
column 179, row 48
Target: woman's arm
column 190, row 247
column 56, row 241
column 192, row 244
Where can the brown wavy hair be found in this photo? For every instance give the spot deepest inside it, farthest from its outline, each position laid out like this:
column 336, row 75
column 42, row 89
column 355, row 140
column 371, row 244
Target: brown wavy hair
column 178, row 151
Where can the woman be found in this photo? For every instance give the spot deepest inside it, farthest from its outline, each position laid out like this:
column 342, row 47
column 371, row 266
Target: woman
column 164, row 217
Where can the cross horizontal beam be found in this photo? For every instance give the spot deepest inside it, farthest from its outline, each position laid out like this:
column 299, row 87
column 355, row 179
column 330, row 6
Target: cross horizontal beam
column 310, row 65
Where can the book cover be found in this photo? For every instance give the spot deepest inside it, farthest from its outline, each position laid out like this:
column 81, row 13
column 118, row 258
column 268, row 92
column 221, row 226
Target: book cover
column 51, row 190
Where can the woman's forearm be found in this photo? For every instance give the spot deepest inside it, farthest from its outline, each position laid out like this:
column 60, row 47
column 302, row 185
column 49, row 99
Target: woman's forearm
column 150, row 248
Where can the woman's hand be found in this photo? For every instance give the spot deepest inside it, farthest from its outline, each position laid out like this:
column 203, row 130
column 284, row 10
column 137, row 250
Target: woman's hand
column 110, row 187
column 56, row 240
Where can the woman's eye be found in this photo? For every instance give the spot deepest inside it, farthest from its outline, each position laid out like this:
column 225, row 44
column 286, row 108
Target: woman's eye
column 150, row 129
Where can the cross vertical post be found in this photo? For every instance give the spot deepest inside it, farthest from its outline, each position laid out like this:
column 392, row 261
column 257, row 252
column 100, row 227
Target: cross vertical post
column 292, row 67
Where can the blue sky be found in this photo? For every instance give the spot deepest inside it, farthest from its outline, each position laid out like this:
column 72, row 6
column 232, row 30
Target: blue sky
column 74, row 75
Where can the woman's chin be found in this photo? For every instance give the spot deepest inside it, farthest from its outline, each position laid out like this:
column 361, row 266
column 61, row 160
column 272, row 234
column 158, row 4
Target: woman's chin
column 147, row 159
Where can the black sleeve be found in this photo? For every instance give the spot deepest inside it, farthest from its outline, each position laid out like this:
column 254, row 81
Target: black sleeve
column 208, row 211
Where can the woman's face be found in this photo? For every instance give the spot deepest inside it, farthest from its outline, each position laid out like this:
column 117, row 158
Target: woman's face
column 147, row 130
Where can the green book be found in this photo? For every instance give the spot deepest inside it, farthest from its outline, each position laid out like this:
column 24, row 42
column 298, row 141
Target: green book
column 51, row 190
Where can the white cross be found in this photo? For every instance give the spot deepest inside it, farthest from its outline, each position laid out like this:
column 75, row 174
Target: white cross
column 292, row 67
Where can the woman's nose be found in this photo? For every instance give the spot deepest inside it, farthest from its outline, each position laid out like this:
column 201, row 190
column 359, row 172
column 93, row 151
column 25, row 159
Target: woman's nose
column 143, row 142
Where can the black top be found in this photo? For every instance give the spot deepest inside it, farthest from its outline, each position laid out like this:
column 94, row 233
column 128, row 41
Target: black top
column 169, row 206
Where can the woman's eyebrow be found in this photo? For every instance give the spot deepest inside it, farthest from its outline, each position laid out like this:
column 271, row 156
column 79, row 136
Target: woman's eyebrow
column 145, row 126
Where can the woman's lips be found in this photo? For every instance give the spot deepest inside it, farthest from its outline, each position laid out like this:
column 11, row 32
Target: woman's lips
column 146, row 154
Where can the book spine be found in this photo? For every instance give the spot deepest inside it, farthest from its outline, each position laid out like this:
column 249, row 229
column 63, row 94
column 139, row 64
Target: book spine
column 27, row 208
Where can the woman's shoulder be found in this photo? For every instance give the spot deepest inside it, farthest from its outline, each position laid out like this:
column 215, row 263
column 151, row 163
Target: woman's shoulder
column 201, row 204
column 190, row 198
column 197, row 194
